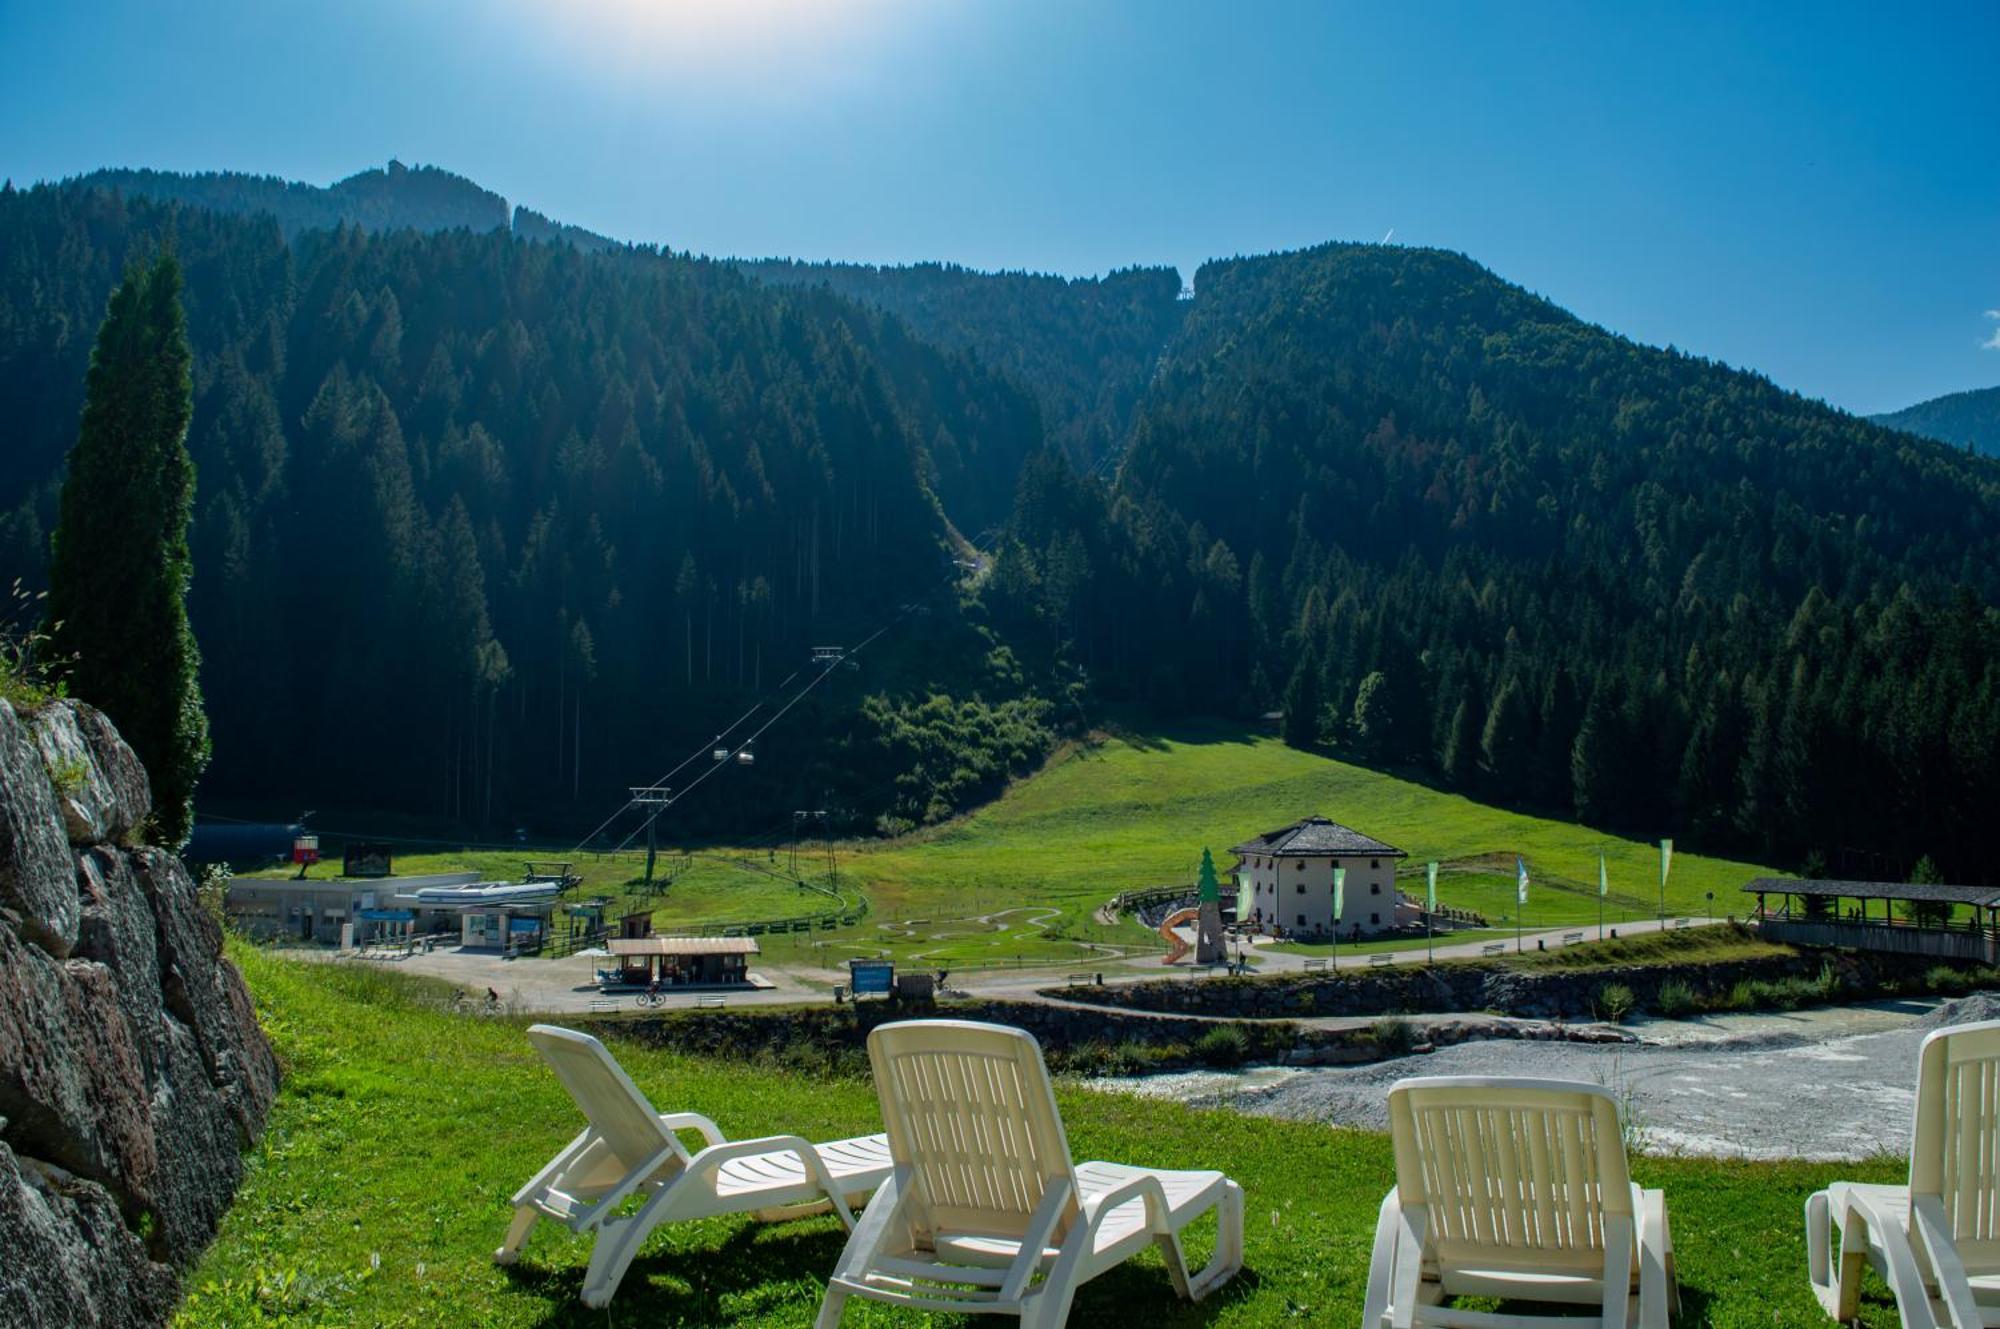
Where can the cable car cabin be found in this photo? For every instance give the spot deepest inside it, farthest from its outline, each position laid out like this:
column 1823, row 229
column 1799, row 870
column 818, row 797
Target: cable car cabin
column 679, row 961
column 746, row 759
column 722, row 754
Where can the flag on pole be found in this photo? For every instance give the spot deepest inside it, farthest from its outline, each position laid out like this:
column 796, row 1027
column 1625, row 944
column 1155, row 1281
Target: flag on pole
column 1243, row 893
column 1603, row 880
column 1431, row 888
column 1339, row 894
column 1666, row 861
column 1520, row 880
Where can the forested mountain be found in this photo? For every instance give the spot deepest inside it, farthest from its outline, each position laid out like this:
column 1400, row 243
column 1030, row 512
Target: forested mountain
column 1967, row 419
column 484, row 525
column 396, row 198
column 1451, row 528
column 1085, row 346
column 488, row 528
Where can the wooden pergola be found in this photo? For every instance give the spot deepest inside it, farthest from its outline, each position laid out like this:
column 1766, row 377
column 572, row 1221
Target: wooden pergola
column 1811, row 916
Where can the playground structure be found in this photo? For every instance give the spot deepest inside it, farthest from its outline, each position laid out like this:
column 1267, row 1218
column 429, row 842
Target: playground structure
column 1177, row 945
column 1206, row 915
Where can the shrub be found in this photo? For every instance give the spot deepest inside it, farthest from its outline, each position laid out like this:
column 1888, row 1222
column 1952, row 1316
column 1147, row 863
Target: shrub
column 1394, row 1037
column 1676, row 999
column 1224, row 1045
column 1615, row 1002
column 1944, row 978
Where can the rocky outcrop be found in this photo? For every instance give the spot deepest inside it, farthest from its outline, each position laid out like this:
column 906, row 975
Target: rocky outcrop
column 132, row 1070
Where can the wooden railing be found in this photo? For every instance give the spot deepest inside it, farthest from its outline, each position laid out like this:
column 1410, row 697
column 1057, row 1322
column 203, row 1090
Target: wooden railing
column 1898, row 938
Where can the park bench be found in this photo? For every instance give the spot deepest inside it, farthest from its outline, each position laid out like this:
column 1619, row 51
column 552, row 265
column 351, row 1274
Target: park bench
column 708, row 1002
column 1683, row 922
column 1074, row 979
column 1494, row 948
column 599, row 1005
column 1572, row 938
column 1381, row 958
column 1317, row 962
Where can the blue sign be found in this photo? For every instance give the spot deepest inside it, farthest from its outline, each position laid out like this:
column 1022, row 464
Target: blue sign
column 386, row 915
column 524, row 925
column 872, row 977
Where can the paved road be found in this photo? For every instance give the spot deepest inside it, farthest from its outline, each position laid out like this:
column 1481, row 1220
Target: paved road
column 564, row 986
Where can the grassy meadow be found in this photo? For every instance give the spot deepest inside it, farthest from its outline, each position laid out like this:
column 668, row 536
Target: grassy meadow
column 1129, row 811
column 380, row 1190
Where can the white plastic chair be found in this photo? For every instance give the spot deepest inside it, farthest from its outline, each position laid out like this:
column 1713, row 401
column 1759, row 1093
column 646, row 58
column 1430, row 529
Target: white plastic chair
column 630, row 1152
column 984, row 1212
column 1936, row 1241
column 1515, row 1189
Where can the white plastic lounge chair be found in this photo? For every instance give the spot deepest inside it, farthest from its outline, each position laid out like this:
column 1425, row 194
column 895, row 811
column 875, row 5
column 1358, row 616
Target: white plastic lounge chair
column 1515, row 1189
column 984, row 1198
column 1936, row 1241
column 629, row 1151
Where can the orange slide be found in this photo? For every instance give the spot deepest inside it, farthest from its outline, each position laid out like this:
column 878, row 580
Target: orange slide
column 1177, row 947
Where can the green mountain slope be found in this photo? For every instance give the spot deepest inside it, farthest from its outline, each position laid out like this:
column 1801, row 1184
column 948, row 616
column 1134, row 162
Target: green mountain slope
column 393, row 198
column 1085, row 346
column 1967, row 419
column 1442, row 522
column 486, row 528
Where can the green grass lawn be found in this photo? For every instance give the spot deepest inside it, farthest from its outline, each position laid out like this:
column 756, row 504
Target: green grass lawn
column 380, row 1188
column 1131, row 812
column 1134, row 812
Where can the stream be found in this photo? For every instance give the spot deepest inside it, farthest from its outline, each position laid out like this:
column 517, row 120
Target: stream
column 1832, row 1083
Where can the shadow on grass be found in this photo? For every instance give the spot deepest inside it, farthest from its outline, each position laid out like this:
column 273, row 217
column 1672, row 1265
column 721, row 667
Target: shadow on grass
column 759, row 1273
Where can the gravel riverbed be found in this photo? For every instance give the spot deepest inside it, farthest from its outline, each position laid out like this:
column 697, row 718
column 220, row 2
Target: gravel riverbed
column 1834, row 1083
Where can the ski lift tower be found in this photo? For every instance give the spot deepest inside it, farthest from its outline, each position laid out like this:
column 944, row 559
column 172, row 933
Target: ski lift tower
column 656, row 797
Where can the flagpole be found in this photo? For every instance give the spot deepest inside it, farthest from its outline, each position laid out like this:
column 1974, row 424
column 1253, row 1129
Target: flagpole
column 1430, row 913
column 1339, row 898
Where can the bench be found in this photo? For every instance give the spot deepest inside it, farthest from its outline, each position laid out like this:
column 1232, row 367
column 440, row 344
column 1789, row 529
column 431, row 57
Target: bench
column 599, row 1005
column 1381, row 958
column 1572, row 938
column 1075, row 979
column 708, row 1002
column 1317, row 962
column 1683, row 922
column 1494, row 948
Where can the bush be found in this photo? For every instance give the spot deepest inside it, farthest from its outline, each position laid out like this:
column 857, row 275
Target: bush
column 1676, row 999
column 1224, row 1045
column 1952, row 982
column 1394, row 1037
column 1615, row 1002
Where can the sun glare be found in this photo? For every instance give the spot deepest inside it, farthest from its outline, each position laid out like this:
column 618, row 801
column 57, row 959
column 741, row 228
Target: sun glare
column 781, row 43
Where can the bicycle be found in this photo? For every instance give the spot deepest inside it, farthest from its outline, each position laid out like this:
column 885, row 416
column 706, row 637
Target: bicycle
column 649, row 999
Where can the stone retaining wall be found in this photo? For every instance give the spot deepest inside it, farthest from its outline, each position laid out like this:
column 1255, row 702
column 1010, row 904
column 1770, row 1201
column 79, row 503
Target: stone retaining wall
column 132, row 1070
column 1548, row 994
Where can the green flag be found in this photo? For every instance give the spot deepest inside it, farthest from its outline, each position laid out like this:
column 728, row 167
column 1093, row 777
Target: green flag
column 1431, row 888
column 1666, row 861
column 1339, row 894
column 1603, row 881
column 1520, row 880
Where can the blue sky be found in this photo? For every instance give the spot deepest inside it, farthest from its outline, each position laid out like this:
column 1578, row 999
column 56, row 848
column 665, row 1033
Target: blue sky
column 1809, row 190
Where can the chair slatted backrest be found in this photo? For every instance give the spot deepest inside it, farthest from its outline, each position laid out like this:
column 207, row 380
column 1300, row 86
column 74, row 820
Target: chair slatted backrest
column 1955, row 1152
column 971, row 1116
column 623, row 1118
column 1511, row 1171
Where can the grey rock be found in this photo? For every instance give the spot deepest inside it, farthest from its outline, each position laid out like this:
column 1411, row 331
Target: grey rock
column 100, row 787
column 71, row 1260
column 37, row 882
column 132, row 1070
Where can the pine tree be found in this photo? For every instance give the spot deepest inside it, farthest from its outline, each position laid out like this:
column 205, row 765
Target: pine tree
column 1506, row 746
column 119, row 563
column 1301, row 726
column 1373, row 724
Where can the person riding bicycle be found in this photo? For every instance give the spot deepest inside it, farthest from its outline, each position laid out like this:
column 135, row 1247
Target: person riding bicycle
column 492, row 999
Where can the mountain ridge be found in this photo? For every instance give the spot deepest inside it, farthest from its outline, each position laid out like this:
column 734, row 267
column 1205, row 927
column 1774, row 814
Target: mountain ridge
column 1969, row 419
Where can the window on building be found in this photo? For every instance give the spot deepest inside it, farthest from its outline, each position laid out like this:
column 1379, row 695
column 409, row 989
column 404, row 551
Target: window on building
column 1302, row 920
column 1375, row 863
column 1375, row 920
column 1374, row 888
column 1302, row 888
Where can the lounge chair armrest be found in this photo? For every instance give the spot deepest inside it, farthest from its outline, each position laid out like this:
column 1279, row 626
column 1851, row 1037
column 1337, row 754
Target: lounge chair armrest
column 694, row 1121
column 712, row 1159
column 1144, row 1186
column 1933, row 1232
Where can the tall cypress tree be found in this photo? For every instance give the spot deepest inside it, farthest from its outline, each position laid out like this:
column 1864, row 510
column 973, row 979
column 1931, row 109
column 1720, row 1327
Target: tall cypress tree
column 119, row 564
